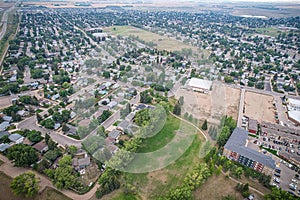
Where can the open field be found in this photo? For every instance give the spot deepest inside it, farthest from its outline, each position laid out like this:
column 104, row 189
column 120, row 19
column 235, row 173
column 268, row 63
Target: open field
column 162, row 42
column 46, row 194
column 217, row 186
column 268, row 31
column 157, row 183
column 259, row 107
column 220, row 101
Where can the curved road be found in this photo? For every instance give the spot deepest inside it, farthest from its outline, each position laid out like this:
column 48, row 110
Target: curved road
column 8, row 168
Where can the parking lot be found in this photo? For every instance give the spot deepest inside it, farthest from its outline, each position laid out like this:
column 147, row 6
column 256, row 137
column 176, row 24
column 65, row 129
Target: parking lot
column 286, row 176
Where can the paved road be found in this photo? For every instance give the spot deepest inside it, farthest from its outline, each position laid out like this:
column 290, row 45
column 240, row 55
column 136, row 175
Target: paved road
column 8, row 168
column 4, row 22
column 241, row 108
column 30, row 123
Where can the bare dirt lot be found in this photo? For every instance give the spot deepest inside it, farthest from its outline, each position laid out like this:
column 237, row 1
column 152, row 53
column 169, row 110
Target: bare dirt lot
column 220, row 101
column 259, row 107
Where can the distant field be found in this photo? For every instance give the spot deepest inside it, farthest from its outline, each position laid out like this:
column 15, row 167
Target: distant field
column 162, row 42
column 268, row 31
column 47, row 193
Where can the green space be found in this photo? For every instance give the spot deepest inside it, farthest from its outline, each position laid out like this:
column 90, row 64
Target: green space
column 268, row 31
column 157, row 183
column 160, row 42
column 13, row 21
column 46, row 194
column 162, row 138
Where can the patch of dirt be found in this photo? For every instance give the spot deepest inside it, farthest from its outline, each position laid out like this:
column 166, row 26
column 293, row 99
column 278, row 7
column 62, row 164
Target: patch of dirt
column 259, row 107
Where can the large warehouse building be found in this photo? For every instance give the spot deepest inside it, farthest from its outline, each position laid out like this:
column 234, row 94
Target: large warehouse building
column 200, row 85
column 293, row 106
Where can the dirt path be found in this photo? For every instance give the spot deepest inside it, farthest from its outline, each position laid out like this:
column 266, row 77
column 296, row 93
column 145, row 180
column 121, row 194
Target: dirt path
column 205, row 136
column 237, row 181
column 8, row 168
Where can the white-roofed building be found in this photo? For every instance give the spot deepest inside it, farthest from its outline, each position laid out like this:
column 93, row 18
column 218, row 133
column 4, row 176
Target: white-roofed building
column 294, row 116
column 200, row 85
column 293, row 104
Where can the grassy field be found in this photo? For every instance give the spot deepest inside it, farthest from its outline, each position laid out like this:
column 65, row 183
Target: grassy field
column 162, row 42
column 216, row 187
column 157, row 183
column 46, row 194
column 162, row 138
column 9, row 35
column 274, row 32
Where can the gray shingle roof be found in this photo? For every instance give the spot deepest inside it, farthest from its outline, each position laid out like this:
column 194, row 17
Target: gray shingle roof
column 114, row 134
column 3, row 133
column 14, row 137
column 237, row 142
column 4, row 146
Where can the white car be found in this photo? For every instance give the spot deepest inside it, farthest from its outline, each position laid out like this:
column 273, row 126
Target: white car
column 295, row 181
column 276, row 180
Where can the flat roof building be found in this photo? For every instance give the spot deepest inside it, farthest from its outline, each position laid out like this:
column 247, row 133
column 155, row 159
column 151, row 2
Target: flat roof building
column 235, row 149
column 200, row 85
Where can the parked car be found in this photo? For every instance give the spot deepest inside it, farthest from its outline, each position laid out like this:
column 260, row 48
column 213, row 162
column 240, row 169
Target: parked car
column 277, row 175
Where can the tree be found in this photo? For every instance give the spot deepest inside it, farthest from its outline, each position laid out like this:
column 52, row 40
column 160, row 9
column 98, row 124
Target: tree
column 64, row 175
column 109, row 181
column 65, row 128
column 25, row 184
column 238, row 172
column 224, row 136
column 181, row 100
column 177, row 109
column 48, row 123
column 38, row 117
column 34, row 136
column 22, row 155
column 73, row 150
column 204, row 125
column 125, row 111
column 277, row 194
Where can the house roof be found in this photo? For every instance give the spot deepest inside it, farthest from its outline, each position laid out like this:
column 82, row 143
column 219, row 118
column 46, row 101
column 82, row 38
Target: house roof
column 114, row 134
column 4, row 146
column 237, row 142
column 3, row 126
column 15, row 137
column 40, row 146
column 84, row 161
column 3, row 133
column 7, row 118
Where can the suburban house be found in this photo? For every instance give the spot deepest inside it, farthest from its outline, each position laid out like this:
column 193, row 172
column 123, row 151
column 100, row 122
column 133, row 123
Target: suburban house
column 16, row 138
column 3, row 133
column 114, row 134
column 4, row 146
column 235, row 149
column 4, row 125
column 41, row 147
column 81, row 163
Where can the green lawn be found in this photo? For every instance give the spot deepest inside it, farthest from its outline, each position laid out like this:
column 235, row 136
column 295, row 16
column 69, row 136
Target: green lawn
column 162, row 138
column 163, row 42
column 268, row 31
column 151, row 185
